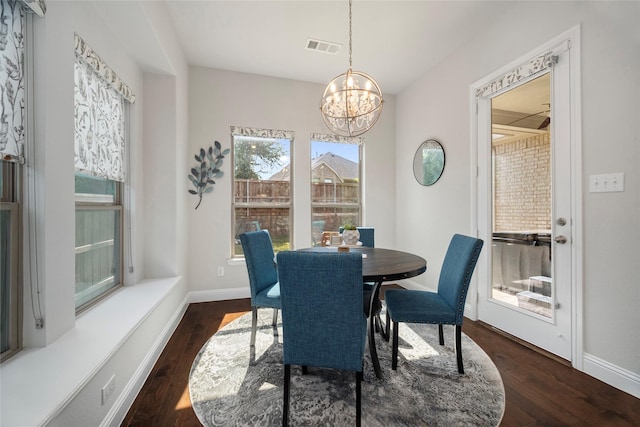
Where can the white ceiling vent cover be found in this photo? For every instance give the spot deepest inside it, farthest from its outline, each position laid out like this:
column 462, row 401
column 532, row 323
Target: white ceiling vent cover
column 322, row 46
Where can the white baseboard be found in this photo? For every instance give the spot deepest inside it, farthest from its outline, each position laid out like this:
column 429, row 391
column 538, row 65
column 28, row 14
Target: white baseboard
column 219, row 294
column 121, row 406
column 410, row 284
column 615, row 376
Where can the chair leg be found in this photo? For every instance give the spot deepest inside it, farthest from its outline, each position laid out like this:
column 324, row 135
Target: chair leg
column 440, row 334
column 381, row 328
column 394, row 347
column 285, row 404
column 254, row 325
column 387, row 327
column 459, row 348
column 275, row 317
column 358, row 398
column 305, row 370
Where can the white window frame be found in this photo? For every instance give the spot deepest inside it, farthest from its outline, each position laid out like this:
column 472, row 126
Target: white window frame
column 266, row 134
column 336, row 139
column 104, row 202
column 10, row 202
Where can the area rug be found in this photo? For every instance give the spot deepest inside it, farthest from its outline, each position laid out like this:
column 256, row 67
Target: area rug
column 233, row 386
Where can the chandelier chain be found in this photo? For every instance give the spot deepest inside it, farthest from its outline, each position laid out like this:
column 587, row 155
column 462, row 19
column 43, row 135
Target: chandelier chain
column 352, row 102
column 350, row 43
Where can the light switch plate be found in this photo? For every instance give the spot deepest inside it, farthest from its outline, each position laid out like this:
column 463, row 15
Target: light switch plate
column 606, row 182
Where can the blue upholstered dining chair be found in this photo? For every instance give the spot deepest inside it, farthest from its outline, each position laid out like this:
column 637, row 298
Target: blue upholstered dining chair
column 367, row 238
column 263, row 275
column 328, row 285
column 444, row 307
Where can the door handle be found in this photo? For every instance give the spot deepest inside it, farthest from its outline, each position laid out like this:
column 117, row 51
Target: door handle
column 560, row 239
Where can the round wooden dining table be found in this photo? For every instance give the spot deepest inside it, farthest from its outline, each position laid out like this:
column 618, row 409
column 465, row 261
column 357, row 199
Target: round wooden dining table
column 380, row 265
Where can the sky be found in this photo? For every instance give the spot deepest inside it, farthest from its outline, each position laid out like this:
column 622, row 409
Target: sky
column 348, row 151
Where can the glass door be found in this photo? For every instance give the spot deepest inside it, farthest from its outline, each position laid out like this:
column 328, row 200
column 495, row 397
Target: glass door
column 521, row 180
column 525, row 209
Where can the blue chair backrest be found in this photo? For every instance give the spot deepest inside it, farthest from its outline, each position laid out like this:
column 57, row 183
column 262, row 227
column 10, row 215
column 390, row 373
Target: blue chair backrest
column 367, row 235
column 323, row 323
column 259, row 256
column 457, row 269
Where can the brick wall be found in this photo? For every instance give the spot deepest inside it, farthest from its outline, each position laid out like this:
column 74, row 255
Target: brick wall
column 522, row 184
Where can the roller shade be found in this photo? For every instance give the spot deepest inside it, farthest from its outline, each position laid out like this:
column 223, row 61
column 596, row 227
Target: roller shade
column 100, row 116
column 12, row 77
column 323, row 137
column 36, row 6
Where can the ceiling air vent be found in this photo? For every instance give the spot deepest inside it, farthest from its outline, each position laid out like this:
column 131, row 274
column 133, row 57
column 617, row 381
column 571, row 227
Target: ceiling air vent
column 322, row 46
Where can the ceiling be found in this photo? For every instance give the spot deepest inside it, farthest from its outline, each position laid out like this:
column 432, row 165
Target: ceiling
column 395, row 42
column 522, row 111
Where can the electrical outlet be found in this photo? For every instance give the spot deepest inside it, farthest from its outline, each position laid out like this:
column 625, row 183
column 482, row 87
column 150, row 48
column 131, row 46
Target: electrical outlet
column 220, row 271
column 108, row 389
column 606, row 182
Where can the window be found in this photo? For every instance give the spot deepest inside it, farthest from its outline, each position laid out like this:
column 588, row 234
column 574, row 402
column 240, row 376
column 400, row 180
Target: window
column 262, row 185
column 12, row 138
column 101, row 115
column 335, row 183
column 98, row 238
column 10, row 260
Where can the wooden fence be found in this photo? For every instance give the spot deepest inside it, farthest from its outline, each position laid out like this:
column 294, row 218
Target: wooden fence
column 258, row 191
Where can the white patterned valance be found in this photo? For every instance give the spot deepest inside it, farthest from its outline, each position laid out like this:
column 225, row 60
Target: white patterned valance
column 84, row 51
column 262, row 133
column 513, row 76
column 100, row 126
column 325, row 137
column 36, row 6
column 12, row 96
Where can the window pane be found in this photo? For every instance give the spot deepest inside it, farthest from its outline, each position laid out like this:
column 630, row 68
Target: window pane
column 276, row 220
column 334, row 217
column 335, row 186
column 94, row 189
column 10, row 259
column 8, row 277
column 262, row 189
column 336, row 193
column 98, row 252
column 256, row 192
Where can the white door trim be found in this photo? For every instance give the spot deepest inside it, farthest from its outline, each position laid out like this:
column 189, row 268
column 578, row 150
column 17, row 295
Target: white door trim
column 573, row 37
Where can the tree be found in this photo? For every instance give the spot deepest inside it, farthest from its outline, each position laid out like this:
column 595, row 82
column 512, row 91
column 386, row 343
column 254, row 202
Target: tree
column 254, row 157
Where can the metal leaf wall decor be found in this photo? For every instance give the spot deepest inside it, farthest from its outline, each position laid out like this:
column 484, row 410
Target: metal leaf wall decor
column 209, row 163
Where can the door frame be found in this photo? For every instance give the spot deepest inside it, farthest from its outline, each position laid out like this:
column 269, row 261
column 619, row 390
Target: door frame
column 572, row 37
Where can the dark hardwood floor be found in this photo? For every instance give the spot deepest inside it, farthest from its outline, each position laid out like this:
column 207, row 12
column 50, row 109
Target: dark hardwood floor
column 540, row 391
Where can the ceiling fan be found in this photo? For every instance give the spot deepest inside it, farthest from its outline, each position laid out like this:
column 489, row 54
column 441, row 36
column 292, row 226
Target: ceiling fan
column 542, row 125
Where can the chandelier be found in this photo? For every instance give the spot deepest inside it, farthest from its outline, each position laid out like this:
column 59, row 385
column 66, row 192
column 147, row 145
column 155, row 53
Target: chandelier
column 352, row 102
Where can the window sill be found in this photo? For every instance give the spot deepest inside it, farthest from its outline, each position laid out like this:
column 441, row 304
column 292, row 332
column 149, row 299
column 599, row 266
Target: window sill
column 38, row 383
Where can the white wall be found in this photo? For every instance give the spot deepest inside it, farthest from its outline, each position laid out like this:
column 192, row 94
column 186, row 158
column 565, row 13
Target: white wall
column 54, row 136
column 190, row 108
column 59, row 376
column 220, row 99
column 437, row 106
